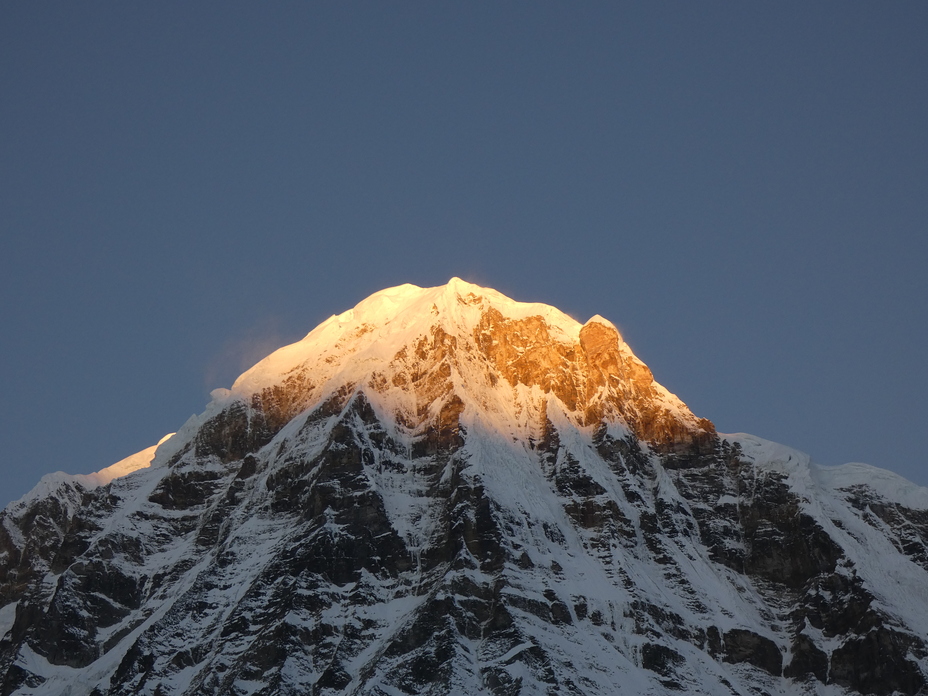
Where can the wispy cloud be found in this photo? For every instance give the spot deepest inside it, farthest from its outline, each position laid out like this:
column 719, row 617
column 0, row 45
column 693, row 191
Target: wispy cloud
column 239, row 353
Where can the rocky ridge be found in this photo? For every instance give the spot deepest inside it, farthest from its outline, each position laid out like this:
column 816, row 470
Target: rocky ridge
column 446, row 491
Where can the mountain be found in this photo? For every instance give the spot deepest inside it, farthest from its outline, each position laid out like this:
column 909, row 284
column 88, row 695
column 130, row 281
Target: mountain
column 443, row 491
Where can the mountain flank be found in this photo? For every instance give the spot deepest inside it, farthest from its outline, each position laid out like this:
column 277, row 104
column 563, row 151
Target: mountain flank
column 444, row 491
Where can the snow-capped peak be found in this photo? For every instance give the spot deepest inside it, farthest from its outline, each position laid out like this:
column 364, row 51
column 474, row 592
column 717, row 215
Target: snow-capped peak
column 443, row 490
column 393, row 318
column 484, row 345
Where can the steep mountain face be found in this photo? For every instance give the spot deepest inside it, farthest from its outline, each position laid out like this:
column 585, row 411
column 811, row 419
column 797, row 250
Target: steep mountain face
column 443, row 491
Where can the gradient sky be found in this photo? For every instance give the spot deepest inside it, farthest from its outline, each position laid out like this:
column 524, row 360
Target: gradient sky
column 741, row 187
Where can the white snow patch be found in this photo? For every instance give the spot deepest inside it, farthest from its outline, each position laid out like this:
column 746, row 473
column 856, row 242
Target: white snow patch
column 7, row 617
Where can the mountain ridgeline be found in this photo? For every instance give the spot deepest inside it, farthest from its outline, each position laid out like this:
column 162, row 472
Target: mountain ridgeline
column 443, row 491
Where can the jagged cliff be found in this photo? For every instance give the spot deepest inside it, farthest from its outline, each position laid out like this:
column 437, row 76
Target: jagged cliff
column 443, row 491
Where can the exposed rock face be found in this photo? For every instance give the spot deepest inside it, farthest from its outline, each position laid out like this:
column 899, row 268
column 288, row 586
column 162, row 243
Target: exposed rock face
column 446, row 492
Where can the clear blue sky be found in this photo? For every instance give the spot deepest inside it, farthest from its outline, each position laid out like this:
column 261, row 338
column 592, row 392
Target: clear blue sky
column 741, row 187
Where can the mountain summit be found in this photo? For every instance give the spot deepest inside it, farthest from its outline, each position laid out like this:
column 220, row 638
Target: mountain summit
column 415, row 351
column 444, row 491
